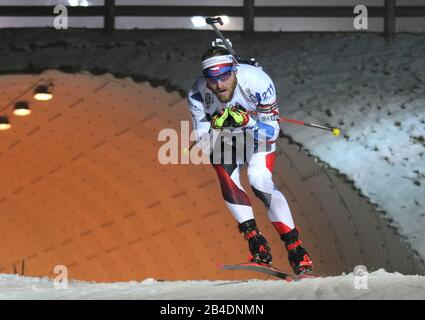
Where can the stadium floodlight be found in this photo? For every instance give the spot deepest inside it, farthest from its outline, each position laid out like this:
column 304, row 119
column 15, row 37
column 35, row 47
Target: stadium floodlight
column 43, row 93
column 4, row 123
column 21, row 109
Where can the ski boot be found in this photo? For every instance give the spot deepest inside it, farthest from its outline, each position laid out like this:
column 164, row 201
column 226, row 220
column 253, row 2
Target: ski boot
column 258, row 246
column 297, row 255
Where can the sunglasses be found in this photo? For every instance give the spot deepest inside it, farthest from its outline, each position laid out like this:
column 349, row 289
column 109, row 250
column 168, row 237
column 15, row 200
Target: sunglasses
column 221, row 77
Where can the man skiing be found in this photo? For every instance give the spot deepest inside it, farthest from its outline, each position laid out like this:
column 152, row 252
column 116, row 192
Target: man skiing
column 239, row 100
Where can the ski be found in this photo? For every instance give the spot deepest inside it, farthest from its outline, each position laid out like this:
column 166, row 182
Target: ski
column 306, row 275
column 251, row 266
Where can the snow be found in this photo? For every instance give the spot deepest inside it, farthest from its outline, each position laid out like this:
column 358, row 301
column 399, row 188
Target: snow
column 380, row 285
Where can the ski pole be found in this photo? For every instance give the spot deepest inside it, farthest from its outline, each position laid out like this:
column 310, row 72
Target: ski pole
column 212, row 22
column 335, row 131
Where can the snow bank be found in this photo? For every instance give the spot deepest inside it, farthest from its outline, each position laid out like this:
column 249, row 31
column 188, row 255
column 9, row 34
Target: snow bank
column 380, row 285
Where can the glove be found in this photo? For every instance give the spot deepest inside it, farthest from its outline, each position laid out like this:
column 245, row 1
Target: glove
column 218, row 121
column 239, row 116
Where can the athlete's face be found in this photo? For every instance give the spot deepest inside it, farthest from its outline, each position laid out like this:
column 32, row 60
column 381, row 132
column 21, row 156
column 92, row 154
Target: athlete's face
column 223, row 85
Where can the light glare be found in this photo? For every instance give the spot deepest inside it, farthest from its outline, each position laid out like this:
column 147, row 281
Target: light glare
column 198, row 21
column 225, row 19
column 22, row 112
column 73, row 3
column 43, row 96
column 5, row 126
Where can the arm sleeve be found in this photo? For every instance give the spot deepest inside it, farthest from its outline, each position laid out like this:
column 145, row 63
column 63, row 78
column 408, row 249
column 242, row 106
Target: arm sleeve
column 267, row 110
column 200, row 122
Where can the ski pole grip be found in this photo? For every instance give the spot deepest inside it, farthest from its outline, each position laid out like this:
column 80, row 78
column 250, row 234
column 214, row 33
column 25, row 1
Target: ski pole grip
column 214, row 20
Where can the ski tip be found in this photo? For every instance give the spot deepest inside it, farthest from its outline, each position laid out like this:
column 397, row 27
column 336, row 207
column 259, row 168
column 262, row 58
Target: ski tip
column 220, row 265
